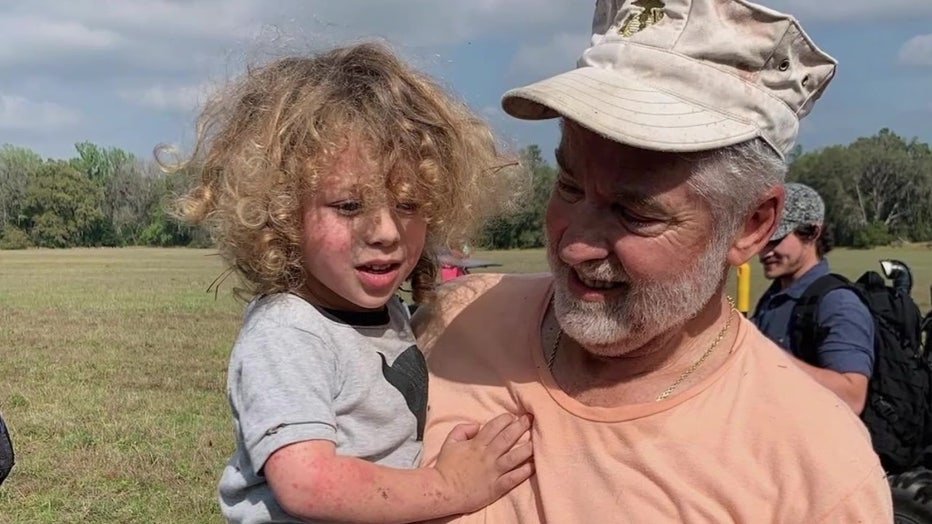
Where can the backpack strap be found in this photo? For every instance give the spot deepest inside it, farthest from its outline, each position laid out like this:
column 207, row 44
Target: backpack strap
column 807, row 334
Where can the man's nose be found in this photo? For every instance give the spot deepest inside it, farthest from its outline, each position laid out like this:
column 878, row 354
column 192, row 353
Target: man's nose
column 587, row 237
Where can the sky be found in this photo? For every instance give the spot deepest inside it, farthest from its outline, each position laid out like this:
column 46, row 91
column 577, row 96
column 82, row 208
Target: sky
column 132, row 73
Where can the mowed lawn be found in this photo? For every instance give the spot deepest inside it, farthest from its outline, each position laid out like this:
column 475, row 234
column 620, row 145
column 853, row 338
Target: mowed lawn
column 112, row 377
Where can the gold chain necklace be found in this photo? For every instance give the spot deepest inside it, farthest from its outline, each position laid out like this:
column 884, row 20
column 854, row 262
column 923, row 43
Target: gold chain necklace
column 689, row 371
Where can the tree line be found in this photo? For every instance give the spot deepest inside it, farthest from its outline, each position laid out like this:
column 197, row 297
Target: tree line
column 100, row 197
column 877, row 190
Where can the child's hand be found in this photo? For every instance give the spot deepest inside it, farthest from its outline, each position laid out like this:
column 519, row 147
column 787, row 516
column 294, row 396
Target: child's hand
column 477, row 466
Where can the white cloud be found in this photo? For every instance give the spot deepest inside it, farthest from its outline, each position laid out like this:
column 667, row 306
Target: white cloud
column 25, row 38
column 301, row 23
column 18, row 113
column 917, row 51
column 183, row 98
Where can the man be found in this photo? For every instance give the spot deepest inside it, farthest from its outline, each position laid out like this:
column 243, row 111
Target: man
column 795, row 258
column 653, row 399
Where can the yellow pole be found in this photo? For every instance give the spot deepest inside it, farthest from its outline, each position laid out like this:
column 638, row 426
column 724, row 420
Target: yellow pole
column 744, row 288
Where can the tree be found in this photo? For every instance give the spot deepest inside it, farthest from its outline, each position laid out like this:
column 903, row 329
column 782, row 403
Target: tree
column 161, row 228
column 17, row 166
column 126, row 189
column 875, row 188
column 524, row 227
column 100, row 164
column 62, row 207
column 129, row 195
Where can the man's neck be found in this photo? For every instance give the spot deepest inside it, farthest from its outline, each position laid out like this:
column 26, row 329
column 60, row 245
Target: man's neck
column 641, row 374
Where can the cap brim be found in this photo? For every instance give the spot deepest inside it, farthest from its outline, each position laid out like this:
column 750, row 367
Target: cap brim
column 627, row 111
column 782, row 230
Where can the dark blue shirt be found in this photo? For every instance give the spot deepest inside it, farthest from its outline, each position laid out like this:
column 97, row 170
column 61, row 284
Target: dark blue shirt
column 849, row 344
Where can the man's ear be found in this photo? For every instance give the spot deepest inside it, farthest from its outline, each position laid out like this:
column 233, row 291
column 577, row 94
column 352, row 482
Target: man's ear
column 758, row 227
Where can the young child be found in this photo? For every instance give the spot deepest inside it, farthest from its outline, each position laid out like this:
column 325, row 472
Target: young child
column 327, row 182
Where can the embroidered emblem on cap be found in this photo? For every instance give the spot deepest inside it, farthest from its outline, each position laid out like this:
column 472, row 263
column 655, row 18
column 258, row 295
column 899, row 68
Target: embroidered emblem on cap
column 650, row 12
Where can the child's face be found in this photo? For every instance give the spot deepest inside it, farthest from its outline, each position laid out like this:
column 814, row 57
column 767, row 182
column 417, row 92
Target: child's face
column 356, row 257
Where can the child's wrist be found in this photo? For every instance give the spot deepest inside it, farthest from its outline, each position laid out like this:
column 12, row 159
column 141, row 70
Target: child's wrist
column 443, row 490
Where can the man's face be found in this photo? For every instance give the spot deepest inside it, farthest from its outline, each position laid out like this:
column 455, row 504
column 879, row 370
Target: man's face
column 784, row 257
column 629, row 242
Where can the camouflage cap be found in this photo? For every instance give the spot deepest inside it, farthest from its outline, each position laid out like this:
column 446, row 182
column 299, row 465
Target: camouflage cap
column 803, row 207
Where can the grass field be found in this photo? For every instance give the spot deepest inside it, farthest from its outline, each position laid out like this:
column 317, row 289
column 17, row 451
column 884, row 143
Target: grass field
column 112, row 374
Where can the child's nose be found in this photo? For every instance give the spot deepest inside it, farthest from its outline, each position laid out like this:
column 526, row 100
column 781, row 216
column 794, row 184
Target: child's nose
column 383, row 228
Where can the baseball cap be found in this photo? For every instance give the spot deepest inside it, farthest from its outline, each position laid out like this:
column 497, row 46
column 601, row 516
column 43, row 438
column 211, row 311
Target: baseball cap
column 686, row 75
column 803, row 207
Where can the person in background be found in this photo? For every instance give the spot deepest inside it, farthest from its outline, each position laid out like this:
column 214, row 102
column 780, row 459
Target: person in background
column 794, row 259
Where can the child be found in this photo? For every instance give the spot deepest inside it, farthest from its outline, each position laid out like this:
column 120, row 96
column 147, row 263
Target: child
column 328, row 181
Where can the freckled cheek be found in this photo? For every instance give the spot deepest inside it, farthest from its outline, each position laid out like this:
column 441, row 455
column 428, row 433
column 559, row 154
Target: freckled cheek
column 322, row 236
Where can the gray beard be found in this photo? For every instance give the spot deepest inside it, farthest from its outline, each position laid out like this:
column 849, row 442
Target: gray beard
column 645, row 309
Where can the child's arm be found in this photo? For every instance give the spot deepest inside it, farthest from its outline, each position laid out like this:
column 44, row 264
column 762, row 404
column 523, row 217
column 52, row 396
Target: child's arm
column 475, row 467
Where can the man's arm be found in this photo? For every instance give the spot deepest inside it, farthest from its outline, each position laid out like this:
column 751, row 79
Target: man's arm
column 846, row 354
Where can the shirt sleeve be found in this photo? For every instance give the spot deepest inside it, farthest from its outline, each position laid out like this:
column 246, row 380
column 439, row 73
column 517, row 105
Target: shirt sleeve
column 282, row 386
column 848, row 346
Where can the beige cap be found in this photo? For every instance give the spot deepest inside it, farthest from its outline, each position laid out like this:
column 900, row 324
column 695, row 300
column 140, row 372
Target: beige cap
column 686, row 75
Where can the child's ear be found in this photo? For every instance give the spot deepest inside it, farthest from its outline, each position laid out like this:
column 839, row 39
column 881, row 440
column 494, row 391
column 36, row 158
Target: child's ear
column 758, row 227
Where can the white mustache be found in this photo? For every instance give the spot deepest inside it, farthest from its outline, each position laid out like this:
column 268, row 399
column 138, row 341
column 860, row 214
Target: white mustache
column 601, row 271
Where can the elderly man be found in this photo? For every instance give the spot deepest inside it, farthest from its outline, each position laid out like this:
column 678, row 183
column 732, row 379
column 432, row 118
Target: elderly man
column 653, row 399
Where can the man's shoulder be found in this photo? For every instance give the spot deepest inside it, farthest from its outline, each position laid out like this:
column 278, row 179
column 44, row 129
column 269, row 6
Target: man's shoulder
column 800, row 403
column 801, row 417
column 844, row 297
column 479, row 299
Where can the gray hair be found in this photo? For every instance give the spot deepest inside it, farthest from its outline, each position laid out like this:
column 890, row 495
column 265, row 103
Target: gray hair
column 732, row 181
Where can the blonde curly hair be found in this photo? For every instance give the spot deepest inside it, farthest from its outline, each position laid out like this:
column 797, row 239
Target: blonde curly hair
column 263, row 143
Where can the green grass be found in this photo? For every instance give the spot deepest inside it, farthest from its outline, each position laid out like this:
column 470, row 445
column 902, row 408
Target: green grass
column 112, row 377
column 112, row 373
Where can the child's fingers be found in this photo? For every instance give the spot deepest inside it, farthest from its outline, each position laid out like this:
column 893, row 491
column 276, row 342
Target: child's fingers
column 493, row 428
column 514, row 458
column 510, row 434
column 462, row 433
column 509, row 480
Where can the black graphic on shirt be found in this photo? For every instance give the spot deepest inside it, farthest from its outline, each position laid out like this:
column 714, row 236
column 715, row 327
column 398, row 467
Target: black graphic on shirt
column 408, row 374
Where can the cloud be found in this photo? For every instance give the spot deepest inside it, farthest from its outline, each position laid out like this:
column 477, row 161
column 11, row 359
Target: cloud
column 183, row 98
column 917, row 51
column 18, row 113
column 25, row 38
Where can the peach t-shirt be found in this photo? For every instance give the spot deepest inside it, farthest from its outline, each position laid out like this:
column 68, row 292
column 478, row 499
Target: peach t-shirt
column 757, row 441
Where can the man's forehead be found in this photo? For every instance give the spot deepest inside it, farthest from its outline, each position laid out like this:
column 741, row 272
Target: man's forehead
column 582, row 152
column 578, row 142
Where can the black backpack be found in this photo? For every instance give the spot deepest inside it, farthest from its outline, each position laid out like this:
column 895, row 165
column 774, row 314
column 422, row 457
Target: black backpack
column 898, row 411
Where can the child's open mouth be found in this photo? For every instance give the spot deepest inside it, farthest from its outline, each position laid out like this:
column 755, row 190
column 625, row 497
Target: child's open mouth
column 378, row 269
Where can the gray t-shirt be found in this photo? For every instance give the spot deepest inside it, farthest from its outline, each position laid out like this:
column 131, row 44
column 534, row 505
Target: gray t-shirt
column 299, row 372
